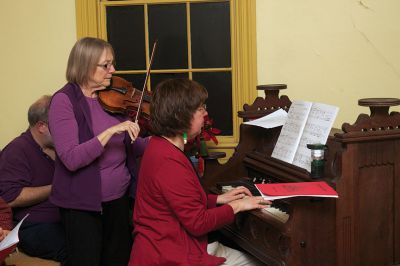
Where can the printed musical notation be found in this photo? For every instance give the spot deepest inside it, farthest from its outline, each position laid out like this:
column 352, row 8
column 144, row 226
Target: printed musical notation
column 307, row 123
column 291, row 131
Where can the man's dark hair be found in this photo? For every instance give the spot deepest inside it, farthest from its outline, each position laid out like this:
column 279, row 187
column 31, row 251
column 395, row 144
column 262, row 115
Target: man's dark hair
column 39, row 110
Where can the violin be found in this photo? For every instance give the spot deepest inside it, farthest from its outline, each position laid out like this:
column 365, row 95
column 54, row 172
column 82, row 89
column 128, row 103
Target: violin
column 122, row 98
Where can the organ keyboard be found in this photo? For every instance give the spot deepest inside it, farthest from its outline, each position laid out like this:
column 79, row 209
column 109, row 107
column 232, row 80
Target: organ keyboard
column 362, row 227
column 274, row 210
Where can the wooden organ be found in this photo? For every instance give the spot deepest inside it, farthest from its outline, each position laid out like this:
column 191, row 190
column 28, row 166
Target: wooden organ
column 361, row 227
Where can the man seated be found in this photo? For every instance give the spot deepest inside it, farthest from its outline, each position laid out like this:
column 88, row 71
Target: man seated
column 26, row 174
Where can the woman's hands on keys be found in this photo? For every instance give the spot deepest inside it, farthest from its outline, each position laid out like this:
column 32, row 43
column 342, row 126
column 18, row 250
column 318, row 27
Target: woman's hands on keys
column 241, row 199
column 249, row 203
column 233, row 194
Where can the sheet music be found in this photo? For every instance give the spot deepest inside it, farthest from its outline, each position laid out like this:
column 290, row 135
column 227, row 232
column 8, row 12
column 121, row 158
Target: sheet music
column 12, row 237
column 307, row 123
column 316, row 130
column 275, row 119
column 289, row 138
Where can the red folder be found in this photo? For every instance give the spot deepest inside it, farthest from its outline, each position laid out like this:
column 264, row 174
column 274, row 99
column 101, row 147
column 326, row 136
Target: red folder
column 297, row 189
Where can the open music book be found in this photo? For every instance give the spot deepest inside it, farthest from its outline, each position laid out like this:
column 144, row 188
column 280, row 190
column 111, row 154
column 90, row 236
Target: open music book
column 298, row 189
column 10, row 241
column 307, row 123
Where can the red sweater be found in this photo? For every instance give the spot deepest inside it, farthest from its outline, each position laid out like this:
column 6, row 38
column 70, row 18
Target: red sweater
column 172, row 213
column 5, row 215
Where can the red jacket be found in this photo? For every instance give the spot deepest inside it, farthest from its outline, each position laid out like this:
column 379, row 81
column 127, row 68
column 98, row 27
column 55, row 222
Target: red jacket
column 5, row 215
column 172, row 213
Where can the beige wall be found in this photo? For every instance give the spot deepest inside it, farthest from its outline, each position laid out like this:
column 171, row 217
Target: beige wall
column 333, row 52
column 35, row 38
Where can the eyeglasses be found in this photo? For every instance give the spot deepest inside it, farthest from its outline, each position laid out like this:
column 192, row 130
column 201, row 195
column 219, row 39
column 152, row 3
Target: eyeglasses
column 106, row 66
column 202, row 108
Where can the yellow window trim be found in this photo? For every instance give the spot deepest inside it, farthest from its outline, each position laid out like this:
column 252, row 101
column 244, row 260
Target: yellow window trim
column 90, row 22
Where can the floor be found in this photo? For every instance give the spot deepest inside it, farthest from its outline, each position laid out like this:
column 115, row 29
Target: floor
column 19, row 258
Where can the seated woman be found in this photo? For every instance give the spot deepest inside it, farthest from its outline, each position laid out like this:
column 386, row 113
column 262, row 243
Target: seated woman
column 173, row 214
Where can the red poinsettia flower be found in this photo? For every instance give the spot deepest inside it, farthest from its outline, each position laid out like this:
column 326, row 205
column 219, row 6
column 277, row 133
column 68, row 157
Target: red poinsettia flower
column 197, row 146
column 208, row 132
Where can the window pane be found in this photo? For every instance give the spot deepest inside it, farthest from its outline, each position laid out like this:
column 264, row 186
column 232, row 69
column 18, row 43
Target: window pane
column 157, row 78
column 210, row 33
column 167, row 24
column 219, row 102
column 137, row 80
column 125, row 29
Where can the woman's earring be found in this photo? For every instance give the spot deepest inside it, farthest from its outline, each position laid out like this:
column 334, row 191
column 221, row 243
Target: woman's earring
column 184, row 137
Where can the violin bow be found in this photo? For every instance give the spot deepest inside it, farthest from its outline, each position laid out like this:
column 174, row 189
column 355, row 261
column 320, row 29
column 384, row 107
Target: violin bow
column 145, row 81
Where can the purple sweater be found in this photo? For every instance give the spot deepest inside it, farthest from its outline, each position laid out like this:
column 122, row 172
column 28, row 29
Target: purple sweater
column 24, row 164
column 86, row 173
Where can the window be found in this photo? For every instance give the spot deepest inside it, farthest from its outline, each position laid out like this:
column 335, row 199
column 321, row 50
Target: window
column 212, row 42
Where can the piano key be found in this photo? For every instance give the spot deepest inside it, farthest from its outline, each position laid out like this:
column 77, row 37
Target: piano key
column 226, row 188
column 276, row 213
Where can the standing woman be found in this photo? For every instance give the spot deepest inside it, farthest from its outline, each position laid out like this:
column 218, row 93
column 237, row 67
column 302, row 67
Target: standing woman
column 94, row 165
column 172, row 213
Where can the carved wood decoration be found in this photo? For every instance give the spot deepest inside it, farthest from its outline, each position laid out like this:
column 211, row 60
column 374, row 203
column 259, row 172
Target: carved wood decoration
column 264, row 106
column 361, row 227
column 378, row 120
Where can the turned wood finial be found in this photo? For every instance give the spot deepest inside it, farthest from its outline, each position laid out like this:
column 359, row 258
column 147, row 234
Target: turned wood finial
column 379, row 119
column 264, row 106
column 272, row 90
column 379, row 106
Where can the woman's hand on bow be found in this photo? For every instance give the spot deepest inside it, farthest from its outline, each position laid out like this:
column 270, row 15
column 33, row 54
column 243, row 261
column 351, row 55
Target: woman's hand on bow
column 132, row 128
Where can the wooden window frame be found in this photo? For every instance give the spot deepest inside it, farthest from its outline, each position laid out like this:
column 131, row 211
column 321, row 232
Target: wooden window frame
column 90, row 21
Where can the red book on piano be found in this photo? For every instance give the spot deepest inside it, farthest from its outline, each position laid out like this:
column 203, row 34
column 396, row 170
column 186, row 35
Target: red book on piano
column 297, row 189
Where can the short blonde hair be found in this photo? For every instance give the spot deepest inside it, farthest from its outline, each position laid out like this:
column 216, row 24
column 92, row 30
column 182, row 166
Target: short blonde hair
column 84, row 57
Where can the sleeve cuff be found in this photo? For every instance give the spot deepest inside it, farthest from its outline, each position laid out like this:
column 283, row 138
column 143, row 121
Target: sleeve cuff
column 212, row 201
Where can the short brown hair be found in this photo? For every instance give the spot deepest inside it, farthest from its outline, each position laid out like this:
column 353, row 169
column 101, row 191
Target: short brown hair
column 84, row 57
column 173, row 104
column 39, row 110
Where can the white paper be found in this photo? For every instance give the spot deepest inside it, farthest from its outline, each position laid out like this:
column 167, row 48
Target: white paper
column 289, row 138
column 307, row 123
column 275, row 119
column 12, row 237
column 316, row 130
